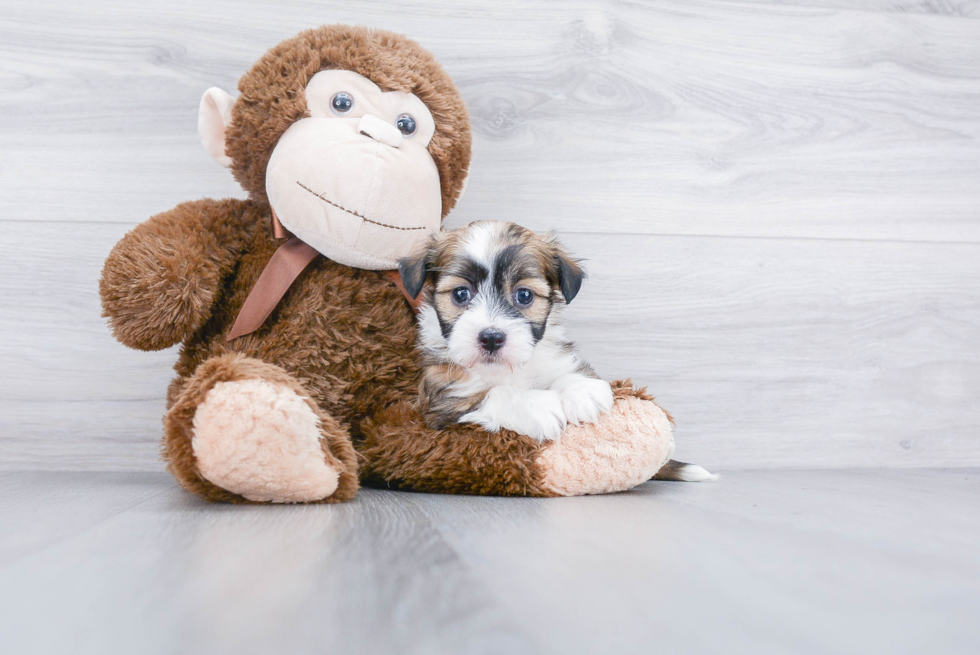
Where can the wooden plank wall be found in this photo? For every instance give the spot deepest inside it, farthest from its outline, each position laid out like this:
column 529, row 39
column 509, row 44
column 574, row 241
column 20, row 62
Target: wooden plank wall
column 779, row 204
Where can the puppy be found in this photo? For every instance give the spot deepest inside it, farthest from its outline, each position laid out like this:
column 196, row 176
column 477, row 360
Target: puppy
column 493, row 349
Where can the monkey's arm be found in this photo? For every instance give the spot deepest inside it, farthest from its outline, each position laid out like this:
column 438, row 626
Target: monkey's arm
column 624, row 448
column 162, row 279
column 401, row 451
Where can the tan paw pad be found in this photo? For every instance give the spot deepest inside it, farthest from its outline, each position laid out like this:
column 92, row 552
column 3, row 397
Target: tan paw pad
column 261, row 441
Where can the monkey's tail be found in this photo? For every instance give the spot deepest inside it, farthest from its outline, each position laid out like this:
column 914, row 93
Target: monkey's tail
column 681, row 472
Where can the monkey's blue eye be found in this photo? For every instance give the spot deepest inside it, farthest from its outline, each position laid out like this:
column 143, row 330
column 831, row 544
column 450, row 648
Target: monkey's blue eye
column 405, row 125
column 341, row 103
column 524, row 296
column 461, row 295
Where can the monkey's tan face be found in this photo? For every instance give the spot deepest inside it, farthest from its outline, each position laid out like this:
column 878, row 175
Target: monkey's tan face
column 354, row 179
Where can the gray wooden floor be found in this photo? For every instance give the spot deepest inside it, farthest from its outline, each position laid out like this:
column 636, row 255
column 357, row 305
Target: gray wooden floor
column 760, row 562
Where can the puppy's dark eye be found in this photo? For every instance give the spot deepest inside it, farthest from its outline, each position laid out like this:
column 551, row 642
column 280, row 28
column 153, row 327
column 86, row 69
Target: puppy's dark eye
column 341, row 102
column 524, row 296
column 405, row 125
column 461, row 295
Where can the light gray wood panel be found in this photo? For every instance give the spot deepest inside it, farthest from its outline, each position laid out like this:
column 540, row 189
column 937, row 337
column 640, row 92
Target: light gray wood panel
column 961, row 8
column 106, row 178
column 87, row 435
column 769, row 352
column 54, row 334
column 71, row 396
column 807, row 353
column 707, row 117
column 762, row 562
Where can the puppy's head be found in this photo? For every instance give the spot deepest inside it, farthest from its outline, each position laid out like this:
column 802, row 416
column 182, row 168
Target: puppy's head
column 492, row 289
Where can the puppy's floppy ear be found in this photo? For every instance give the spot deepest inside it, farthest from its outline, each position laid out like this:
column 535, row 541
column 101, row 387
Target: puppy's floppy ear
column 570, row 274
column 413, row 271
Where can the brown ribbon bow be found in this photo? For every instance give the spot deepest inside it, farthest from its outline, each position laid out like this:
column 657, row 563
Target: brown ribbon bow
column 283, row 268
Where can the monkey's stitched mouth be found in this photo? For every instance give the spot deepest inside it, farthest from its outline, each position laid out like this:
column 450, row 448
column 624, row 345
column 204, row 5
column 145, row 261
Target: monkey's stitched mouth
column 354, row 213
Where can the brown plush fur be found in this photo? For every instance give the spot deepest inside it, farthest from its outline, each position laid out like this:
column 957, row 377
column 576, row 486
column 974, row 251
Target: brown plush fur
column 461, row 459
column 272, row 98
column 625, row 389
column 163, row 278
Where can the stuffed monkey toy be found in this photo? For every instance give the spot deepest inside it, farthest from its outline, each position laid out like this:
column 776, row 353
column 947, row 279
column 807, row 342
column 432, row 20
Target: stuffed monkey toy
column 297, row 373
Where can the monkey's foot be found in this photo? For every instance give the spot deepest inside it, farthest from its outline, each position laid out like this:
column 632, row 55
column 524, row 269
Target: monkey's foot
column 262, row 441
column 243, row 430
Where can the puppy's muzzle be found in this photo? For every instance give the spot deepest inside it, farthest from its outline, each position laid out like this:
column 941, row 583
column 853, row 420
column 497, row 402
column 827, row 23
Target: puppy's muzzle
column 492, row 340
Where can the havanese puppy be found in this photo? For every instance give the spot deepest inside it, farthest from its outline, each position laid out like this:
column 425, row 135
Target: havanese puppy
column 493, row 349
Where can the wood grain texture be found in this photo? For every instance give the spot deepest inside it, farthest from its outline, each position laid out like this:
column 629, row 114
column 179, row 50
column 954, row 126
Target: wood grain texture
column 706, row 117
column 769, row 352
column 779, row 202
column 760, row 562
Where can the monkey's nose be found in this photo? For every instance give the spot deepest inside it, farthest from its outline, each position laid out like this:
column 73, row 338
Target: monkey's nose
column 377, row 129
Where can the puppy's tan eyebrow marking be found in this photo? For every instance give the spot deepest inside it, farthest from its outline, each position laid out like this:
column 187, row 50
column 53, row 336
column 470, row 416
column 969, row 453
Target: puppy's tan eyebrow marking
column 450, row 282
column 536, row 284
column 468, row 270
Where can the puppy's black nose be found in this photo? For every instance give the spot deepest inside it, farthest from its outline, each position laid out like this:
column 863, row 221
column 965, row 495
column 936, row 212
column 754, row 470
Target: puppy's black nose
column 491, row 340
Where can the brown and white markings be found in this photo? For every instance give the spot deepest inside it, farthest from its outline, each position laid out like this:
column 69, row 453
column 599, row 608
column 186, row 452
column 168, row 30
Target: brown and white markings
column 494, row 351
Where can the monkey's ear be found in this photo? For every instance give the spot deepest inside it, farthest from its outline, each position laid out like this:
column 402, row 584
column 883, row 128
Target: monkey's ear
column 466, row 181
column 413, row 272
column 213, row 119
column 570, row 274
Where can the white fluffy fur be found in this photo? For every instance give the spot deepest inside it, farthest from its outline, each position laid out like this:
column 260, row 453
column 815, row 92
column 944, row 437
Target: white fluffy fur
column 464, row 348
column 538, row 413
column 583, row 398
column 695, row 473
column 481, row 242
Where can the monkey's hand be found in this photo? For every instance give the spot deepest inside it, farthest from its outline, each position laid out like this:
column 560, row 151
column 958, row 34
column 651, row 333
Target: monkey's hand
column 626, row 446
column 161, row 280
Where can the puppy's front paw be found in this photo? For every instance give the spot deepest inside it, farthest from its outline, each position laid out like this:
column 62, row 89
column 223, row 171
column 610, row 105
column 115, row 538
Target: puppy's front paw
column 535, row 413
column 585, row 399
column 541, row 417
